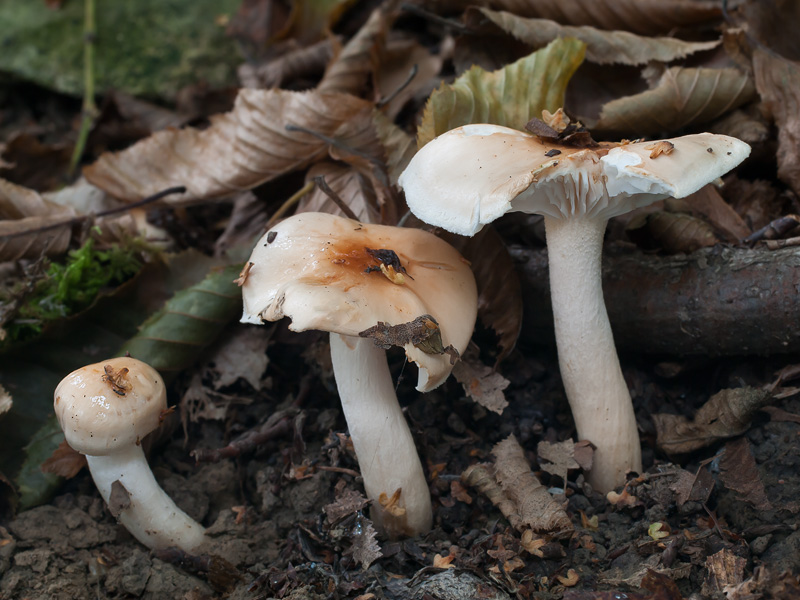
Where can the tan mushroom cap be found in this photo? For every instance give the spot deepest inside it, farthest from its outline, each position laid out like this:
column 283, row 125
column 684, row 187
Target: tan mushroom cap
column 473, row 174
column 102, row 407
column 314, row 269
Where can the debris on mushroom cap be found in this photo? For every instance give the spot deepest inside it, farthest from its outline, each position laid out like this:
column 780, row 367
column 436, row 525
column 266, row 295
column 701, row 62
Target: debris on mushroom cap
column 109, row 404
column 472, row 175
column 324, row 272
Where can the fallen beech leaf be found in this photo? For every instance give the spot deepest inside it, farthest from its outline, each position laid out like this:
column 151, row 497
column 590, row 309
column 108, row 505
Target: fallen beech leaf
column 351, row 186
column 64, row 462
column 681, row 97
column 240, row 149
column 709, row 203
column 482, row 478
column 780, row 415
column 508, row 96
column 311, row 19
column 723, row 569
column 765, row 584
column 394, row 79
column 560, row 458
column 738, row 472
column 299, row 63
column 672, row 232
column 602, row 47
column 399, row 146
column 537, row 509
column 352, row 66
column 778, row 82
column 726, row 414
column 459, row 492
column 481, row 383
column 423, row 333
column 647, row 17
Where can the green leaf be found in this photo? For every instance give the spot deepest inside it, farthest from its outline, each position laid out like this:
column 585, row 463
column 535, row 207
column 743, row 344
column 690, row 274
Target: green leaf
column 147, row 47
column 509, row 96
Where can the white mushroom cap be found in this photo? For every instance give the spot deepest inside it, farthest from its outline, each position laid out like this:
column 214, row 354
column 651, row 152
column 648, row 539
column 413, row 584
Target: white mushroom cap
column 313, row 268
column 102, row 407
column 472, row 175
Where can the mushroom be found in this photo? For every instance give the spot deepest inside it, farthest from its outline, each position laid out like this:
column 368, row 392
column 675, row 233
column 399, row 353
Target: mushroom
column 105, row 410
column 472, row 175
column 370, row 286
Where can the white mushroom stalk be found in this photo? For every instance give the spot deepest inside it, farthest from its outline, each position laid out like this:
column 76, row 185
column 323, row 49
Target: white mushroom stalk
column 105, row 409
column 472, row 175
column 334, row 274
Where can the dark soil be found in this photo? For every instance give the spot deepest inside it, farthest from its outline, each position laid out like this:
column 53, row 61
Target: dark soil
column 270, row 538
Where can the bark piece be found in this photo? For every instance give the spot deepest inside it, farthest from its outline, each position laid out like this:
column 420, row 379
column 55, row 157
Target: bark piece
column 723, row 569
column 714, row 302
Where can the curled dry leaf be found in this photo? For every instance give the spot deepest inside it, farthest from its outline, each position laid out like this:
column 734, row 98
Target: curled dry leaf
column 682, row 97
column 739, row 473
column 647, row 17
column 558, row 458
column 22, row 210
column 537, row 509
column 64, row 462
column 240, row 149
column 481, row 383
column 726, row 414
column 352, row 65
column 602, row 47
column 508, row 96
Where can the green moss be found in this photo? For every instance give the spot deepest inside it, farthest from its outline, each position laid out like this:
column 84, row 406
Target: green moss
column 71, row 286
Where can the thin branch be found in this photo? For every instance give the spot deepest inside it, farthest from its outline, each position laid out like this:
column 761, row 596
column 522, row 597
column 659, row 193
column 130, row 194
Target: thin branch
column 337, row 199
column 89, row 111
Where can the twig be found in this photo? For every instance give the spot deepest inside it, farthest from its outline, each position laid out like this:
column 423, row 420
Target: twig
column 433, row 17
column 278, row 424
column 384, row 101
column 89, row 111
column 787, row 243
column 289, row 204
column 774, row 229
column 337, row 199
column 336, row 144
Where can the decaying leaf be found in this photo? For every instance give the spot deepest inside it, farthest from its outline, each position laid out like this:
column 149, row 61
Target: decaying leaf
column 693, row 487
column 602, row 47
column 765, row 585
column 399, row 146
column 681, row 97
column 672, row 232
column 298, row 63
column 348, row 502
column 647, row 17
column 350, row 185
column 240, row 150
column 241, row 354
column 64, row 462
column 407, row 70
column 739, row 473
column 708, row 203
column 423, row 333
column 536, row 508
column 559, row 458
column 726, row 414
column 365, row 548
column 481, row 383
column 508, row 96
column 723, row 569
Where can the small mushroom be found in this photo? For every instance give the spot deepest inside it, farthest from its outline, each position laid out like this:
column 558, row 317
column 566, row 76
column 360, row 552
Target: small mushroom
column 335, row 274
column 472, row 175
column 105, row 410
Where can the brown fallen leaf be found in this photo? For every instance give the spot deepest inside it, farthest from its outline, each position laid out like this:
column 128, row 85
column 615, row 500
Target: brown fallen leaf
column 765, row 585
column 671, row 231
column 407, row 69
column 308, row 62
column 726, row 414
column 481, row 383
column 709, row 204
column 365, row 548
column 351, row 186
column 692, row 487
column 423, row 333
column 723, row 569
column 738, row 472
column 240, row 149
column 602, row 47
column 559, row 458
column 64, row 462
column 347, row 503
column 680, row 98
column 536, row 507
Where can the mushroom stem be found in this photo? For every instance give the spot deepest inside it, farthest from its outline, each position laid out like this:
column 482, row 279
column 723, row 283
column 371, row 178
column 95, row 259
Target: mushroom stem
column 147, row 512
column 596, row 390
column 386, row 452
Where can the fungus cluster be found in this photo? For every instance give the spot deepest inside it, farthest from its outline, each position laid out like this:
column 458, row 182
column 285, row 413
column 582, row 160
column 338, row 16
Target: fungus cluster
column 370, row 286
column 105, row 410
column 472, row 175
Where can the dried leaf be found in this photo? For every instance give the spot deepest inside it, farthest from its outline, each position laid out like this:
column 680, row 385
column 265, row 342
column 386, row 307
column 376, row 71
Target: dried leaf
column 602, row 47
column 407, row 70
column 311, row 19
column 559, row 457
column 423, row 333
column 726, row 414
column 647, row 17
column 350, row 70
column 500, row 304
column 399, row 146
column 6, row 402
column 765, row 584
column 682, row 97
column 694, row 488
column 723, row 569
column 243, row 354
column 778, row 82
column 240, row 150
column 672, row 232
column 708, row 203
column 347, row 503
column 661, row 586
column 351, row 186
column 509, row 96
column 481, row 383
column 64, row 462
column 536, row 508
column 739, row 473
column 365, row 548
column 296, row 64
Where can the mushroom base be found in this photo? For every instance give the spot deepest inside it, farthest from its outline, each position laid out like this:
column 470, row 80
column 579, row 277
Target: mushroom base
column 596, row 390
column 386, row 452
